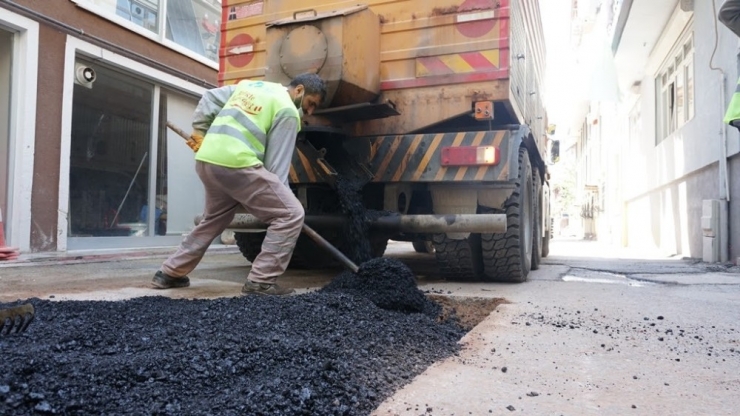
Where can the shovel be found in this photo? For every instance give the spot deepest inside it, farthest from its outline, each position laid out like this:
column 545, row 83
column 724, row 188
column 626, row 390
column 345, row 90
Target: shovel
column 313, row 235
column 16, row 319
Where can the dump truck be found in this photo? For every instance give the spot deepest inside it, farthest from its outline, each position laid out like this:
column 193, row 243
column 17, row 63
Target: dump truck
column 434, row 108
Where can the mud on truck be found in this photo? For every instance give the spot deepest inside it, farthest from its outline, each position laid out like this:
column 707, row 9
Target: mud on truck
column 433, row 107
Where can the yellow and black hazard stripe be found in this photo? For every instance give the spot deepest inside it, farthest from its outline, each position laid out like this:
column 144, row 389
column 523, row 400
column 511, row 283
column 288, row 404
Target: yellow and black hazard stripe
column 417, row 158
column 305, row 169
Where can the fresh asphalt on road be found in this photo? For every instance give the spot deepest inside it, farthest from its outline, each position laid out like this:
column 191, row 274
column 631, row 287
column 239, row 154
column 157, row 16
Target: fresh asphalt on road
column 596, row 330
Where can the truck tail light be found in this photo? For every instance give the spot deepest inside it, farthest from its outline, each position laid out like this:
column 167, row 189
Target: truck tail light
column 470, row 156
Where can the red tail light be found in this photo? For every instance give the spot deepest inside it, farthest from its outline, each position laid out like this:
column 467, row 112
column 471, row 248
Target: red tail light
column 470, row 156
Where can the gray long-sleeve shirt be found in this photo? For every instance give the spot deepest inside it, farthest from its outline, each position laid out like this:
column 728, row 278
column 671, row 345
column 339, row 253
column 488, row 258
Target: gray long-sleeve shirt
column 729, row 15
column 280, row 138
column 212, row 102
column 280, row 145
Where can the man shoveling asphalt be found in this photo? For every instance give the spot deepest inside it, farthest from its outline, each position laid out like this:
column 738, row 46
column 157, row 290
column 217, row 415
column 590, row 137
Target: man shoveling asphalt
column 244, row 159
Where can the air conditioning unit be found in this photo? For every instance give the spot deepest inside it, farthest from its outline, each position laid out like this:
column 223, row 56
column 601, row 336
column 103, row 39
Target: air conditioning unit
column 142, row 8
column 687, row 5
column 137, row 11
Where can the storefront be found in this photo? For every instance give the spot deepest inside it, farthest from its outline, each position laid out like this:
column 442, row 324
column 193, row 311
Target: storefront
column 86, row 90
column 125, row 179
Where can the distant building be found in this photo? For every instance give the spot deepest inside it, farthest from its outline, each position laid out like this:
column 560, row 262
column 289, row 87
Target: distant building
column 656, row 161
column 86, row 87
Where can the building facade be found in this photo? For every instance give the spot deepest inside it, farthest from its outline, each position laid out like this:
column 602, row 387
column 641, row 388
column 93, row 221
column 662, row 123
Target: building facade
column 656, row 162
column 86, row 90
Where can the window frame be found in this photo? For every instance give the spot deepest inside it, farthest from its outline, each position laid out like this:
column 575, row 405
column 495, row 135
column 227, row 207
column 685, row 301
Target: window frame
column 159, row 36
column 22, row 120
column 674, row 72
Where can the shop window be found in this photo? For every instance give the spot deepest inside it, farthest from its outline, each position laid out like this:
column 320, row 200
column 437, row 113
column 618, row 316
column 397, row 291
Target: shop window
column 185, row 25
column 142, row 12
column 110, row 155
column 125, row 167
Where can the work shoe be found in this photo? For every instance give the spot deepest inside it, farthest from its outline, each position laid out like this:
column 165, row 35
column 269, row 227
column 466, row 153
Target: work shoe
column 250, row 288
column 163, row 281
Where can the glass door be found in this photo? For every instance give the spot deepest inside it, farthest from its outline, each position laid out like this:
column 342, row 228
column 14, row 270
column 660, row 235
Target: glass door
column 179, row 189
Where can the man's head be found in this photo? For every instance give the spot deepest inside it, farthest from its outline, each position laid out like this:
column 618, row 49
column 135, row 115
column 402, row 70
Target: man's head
column 307, row 91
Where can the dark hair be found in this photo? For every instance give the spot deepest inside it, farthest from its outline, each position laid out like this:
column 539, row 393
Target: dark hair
column 312, row 83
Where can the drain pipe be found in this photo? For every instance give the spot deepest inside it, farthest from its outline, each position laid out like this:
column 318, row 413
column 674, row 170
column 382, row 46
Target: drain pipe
column 724, row 178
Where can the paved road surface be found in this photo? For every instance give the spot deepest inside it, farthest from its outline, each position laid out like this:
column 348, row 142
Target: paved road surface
column 595, row 330
column 594, row 334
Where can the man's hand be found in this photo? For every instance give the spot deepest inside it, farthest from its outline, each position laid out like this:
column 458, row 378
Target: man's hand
column 195, row 140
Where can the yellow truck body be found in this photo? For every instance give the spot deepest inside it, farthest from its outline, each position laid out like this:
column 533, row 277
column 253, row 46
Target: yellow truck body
column 415, row 89
column 432, row 58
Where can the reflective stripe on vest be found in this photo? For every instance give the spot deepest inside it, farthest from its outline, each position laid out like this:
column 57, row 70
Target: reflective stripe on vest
column 232, row 122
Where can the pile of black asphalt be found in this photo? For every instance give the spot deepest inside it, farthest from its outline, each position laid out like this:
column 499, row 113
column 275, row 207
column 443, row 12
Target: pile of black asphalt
column 339, row 351
column 388, row 283
column 321, row 353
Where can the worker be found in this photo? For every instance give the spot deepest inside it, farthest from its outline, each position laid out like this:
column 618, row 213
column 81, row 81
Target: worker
column 244, row 159
column 729, row 15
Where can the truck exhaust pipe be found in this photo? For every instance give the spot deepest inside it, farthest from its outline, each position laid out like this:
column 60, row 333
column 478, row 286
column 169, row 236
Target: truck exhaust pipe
column 422, row 224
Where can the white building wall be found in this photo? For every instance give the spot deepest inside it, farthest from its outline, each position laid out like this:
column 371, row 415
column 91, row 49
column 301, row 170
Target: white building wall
column 652, row 190
column 664, row 184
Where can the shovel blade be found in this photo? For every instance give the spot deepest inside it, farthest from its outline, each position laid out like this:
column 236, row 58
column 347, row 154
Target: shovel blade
column 16, row 319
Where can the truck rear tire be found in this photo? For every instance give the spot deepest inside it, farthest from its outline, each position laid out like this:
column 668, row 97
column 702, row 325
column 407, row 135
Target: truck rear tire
column 305, row 256
column 507, row 257
column 423, row 246
column 250, row 244
column 378, row 244
column 458, row 259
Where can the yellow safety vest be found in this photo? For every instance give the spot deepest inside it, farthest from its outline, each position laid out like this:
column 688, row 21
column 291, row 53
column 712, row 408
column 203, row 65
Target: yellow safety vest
column 733, row 110
column 238, row 135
